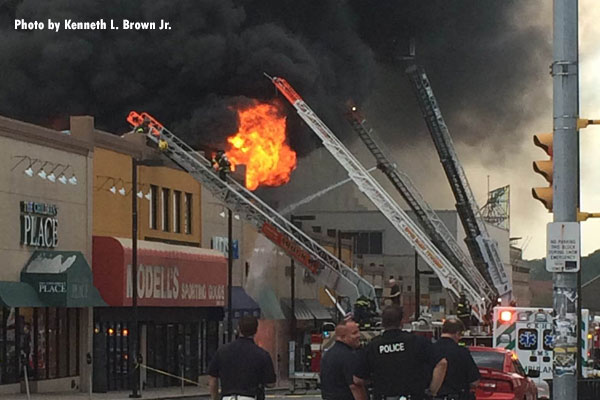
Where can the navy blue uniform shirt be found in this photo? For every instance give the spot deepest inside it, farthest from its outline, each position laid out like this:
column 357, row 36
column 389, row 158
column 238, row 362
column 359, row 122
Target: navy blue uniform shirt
column 241, row 366
column 461, row 370
column 338, row 366
column 398, row 363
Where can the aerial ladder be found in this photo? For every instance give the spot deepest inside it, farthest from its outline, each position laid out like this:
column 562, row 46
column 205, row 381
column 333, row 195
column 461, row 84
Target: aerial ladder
column 432, row 224
column 483, row 249
column 445, row 271
column 326, row 268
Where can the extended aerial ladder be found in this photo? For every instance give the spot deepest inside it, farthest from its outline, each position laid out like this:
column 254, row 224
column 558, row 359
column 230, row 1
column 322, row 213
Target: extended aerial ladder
column 483, row 249
column 326, row 268
column 448, row 275
column 432, row 224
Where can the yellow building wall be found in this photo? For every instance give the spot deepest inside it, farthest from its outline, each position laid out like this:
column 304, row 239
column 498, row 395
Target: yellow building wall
column 112, row 211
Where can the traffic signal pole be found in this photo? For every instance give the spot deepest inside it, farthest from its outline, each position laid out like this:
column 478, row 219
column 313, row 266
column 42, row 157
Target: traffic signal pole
column 564, row 70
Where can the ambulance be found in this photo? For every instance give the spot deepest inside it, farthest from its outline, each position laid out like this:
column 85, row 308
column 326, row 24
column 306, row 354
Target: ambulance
column 528, row 332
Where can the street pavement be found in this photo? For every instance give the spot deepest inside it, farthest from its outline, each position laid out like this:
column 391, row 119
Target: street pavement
column 159, row 394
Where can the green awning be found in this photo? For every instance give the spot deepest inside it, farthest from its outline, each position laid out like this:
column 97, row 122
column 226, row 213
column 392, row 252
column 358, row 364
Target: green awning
column 19, row 294
column 62, row 279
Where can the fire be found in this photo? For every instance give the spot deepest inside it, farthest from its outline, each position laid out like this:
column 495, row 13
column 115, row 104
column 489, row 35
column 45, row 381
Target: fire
column 260, row 145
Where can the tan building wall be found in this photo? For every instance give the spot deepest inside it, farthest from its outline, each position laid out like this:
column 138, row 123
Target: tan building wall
column 112, row 211
column 51, row 149
column 15, row 186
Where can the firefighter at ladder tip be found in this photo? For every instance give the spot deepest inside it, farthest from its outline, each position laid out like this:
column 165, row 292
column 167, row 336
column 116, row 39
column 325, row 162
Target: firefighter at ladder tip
column 221, row 164
column 146, row 126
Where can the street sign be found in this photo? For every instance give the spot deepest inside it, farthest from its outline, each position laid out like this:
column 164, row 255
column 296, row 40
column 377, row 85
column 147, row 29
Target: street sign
column 562, row 247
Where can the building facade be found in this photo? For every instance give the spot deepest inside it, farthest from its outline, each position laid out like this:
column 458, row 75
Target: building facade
column 181, row 287
column 522, row 293
column 46, row 288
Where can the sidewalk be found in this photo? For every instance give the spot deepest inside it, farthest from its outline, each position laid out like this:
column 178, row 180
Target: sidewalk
column 151, row 394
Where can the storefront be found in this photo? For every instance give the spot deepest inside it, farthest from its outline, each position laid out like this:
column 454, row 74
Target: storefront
column 40, row 317
column 46, row 287
column 181, row 295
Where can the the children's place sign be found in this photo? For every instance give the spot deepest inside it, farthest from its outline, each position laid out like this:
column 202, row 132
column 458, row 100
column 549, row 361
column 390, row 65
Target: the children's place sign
column 39, row 225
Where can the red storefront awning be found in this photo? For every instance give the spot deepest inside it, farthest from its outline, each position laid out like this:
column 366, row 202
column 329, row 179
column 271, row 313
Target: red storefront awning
column 168, row 275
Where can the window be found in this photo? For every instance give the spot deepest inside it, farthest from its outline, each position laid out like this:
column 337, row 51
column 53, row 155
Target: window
column 176, row 211
column 316, row 229
column 47, row 338
column 165, row 209
column 519, row 368
column 52, row 339
column 489, row 359
column 435, row 285
column 63, row 343
column 368, row 242
column 375, row 243
column 153, row 206
column 331, row 232
column 188, row 213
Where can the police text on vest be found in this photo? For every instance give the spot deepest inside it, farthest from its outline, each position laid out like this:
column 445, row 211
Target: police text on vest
column 391, row 348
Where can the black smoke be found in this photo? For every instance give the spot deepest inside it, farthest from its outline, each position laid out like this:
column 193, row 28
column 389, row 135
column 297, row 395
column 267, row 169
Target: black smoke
column 192, row 77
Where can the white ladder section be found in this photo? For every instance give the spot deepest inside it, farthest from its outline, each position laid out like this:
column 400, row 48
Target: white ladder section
column 326, row 268
column 432, row 224
column 445, row 271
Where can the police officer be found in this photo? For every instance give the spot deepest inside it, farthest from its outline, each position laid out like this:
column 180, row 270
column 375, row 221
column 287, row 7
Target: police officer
column 339, row 365
column 398, row 363
column 242, row 366
column 461, row 373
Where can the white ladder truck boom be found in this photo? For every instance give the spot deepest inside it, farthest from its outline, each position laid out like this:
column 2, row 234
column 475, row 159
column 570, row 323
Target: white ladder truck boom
column 326, row 268
column 449, row 277
column 432, row 224
column 483, row 249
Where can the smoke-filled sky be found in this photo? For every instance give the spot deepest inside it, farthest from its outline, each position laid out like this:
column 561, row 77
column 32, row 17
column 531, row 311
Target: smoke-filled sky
column 487, row 61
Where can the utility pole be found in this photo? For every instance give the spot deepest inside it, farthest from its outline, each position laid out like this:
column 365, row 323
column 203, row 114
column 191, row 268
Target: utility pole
column 564, row 70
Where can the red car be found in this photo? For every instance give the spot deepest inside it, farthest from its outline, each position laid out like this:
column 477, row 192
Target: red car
column 502, row 375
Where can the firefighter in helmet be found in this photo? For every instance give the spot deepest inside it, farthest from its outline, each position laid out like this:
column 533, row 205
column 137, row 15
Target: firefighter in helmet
column 145, row 127
column 221, row 164
column 463, row 310
column 364, row 312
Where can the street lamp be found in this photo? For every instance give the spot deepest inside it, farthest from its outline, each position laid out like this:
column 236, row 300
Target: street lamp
column 134, row 353
column 135, row 376
column 229, row 276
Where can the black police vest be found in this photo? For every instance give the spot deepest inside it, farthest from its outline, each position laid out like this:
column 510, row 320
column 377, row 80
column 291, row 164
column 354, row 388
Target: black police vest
column 395, row 365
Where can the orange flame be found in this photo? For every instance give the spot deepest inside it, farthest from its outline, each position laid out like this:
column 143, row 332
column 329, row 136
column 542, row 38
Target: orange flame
column 260, row 145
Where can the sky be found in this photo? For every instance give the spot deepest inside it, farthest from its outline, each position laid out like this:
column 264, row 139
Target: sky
column 493, row 137
column 528, row 216
column 487, row 61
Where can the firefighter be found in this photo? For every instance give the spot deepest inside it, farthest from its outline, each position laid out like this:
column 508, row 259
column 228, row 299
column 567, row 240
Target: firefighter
column 364, row 312
column 463, row 310
column 221, row 164
column 144, row 127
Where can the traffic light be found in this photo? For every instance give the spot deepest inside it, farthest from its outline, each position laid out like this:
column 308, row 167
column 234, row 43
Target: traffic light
column 544, row 168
